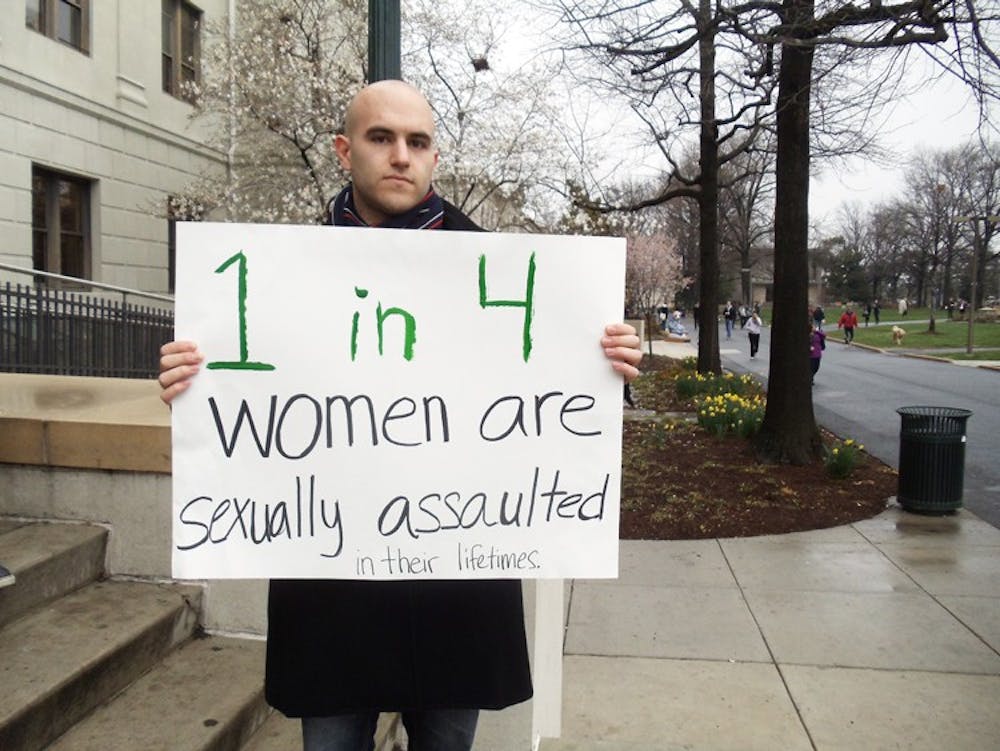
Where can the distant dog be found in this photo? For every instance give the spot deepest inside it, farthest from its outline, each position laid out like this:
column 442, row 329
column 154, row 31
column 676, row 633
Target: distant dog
column 897, row 335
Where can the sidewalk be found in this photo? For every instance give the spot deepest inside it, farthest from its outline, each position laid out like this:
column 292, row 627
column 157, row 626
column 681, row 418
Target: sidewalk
column 677, row 350
column 884, row 634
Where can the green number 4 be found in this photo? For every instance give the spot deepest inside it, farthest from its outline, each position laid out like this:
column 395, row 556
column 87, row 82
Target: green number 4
column 527, row 303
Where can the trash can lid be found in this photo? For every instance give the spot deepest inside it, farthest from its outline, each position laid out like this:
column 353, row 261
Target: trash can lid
column 934, row 412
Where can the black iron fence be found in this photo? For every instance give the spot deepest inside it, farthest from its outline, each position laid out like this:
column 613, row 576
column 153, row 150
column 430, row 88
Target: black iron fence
column 60, row 332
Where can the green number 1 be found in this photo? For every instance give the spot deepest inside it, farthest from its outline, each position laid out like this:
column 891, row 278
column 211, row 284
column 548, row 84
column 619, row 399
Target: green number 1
column 243, row 363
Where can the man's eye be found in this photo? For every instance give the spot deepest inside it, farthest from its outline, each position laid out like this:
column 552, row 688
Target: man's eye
column 419, row 144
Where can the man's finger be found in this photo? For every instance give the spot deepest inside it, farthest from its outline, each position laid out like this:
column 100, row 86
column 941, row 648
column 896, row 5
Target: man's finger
column 179, row 359
column 629, row 372
column 170, row 393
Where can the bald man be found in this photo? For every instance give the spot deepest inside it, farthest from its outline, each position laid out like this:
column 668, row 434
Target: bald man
column 339, row 652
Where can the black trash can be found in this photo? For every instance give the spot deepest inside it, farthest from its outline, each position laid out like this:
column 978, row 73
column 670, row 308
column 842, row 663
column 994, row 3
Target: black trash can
column 931, row 458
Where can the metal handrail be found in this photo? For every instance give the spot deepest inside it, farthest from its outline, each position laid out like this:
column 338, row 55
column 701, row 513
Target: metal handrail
column 123, row 291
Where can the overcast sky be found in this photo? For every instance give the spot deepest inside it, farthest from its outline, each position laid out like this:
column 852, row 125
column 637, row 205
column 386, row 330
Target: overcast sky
column 940, row 117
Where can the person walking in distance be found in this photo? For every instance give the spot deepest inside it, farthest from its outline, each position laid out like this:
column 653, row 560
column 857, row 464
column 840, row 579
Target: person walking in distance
column 848, row 321
column 876, row 311
column 729, row 316
column 437, row 651
column 817, row 343
column 818, row 317
column 753, row 332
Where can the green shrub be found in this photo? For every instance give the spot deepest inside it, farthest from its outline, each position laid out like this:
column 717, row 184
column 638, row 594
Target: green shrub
column 689, row 385
column 731, row 413
column 843, row 457
column 655, row 433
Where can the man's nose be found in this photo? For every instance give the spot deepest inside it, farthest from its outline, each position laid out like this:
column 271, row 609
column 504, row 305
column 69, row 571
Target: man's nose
column 400, row 153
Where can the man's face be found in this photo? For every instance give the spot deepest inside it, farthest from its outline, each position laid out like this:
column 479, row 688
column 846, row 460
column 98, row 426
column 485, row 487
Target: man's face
column 389, row 150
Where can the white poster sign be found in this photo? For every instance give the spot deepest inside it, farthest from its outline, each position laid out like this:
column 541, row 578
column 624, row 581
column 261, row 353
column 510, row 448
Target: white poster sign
column 392, row 404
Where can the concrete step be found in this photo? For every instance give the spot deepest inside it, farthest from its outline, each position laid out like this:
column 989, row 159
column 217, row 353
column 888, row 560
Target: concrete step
column 206, row 696
column 7, row 524
column 59, row 662
column 49, row 560
column 278, row 733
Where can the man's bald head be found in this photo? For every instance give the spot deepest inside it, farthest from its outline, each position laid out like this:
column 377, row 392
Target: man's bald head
column 391, row 94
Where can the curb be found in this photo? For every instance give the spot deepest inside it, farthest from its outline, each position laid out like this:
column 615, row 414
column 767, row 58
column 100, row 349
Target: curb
column 870, row 348
column 932, row 358
column 915, row 355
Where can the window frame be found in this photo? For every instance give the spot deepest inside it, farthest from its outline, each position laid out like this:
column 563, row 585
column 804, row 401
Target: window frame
column 52, row 253
column 48, row 22
column 175, row 54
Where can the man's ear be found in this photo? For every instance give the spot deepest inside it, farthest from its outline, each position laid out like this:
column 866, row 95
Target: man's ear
column 342, row 145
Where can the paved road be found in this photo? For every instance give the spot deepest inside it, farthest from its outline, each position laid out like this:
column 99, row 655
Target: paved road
column 857, row 393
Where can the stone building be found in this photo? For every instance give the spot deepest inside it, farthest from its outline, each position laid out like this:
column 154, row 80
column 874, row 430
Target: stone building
column 95, row 134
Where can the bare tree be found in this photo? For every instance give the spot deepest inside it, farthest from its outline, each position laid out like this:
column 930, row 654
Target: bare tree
column 746, row 211
column 912, row 245
column 884, row 246
column 817, row 45
column 276, row 90
column 800, row 28
column 494, row 111
column 979, row 196
column 665, row 58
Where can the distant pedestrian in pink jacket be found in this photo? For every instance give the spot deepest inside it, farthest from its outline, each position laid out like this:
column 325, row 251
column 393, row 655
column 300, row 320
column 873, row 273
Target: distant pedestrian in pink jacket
column 817, row 343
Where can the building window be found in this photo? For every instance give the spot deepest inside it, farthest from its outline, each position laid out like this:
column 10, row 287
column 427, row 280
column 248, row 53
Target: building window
column 181, row 48
column 60, row 223
column 68, row 21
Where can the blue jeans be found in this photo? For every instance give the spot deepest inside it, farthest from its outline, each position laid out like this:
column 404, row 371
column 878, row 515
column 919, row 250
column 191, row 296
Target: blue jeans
column 729, row 328
column 432, row 730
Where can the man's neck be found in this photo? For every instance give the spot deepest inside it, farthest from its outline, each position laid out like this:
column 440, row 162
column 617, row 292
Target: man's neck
column 371, row 217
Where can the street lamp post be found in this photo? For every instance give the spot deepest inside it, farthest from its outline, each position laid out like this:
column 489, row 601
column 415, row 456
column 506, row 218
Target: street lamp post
column 975, row 219
column 383, row 40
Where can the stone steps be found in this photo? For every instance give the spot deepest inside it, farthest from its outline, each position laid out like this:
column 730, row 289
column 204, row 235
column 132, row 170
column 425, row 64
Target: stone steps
column 88, row 663
column 49, row 561
column 278, row 733
column 206, row 696
column 62, row 660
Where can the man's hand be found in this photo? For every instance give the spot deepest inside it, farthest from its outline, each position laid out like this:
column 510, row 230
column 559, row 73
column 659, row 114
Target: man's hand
column 622, row 347
column 179, row 362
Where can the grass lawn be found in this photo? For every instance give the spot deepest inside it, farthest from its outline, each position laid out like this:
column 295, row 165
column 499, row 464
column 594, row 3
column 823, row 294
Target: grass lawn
column 888, row 313
column 949, row 334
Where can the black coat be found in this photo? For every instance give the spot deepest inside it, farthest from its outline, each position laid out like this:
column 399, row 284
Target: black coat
column 336, row 646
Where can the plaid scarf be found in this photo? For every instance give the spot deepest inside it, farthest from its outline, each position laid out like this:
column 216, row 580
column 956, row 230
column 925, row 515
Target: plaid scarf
column 428, row 214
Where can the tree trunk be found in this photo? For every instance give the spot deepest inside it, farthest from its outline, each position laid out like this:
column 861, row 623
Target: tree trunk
column 789, row 432
column 981, row 266
column 947, row 285
column 745, row 281
column 708, row 201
